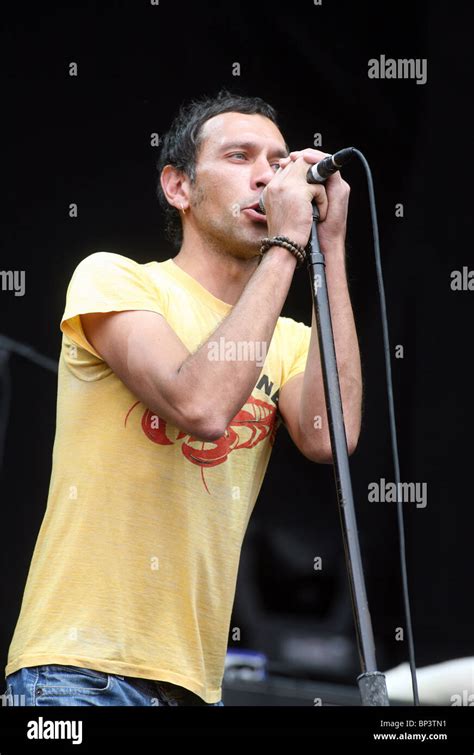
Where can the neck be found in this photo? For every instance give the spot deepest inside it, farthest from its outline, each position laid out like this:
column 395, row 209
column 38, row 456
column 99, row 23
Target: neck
column 223, row 275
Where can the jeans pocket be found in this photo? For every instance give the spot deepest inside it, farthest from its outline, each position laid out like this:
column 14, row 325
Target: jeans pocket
column 65, row 680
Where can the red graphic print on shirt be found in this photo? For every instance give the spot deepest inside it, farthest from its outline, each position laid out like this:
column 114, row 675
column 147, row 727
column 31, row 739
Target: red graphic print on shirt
column 250, row 426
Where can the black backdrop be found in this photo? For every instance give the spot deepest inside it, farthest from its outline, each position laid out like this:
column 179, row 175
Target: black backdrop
column 87, row 140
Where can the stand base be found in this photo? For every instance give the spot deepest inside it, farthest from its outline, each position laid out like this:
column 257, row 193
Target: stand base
column 373, row 688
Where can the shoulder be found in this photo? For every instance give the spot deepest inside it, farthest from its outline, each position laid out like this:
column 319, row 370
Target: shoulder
column 106, row 261
column 110, row 271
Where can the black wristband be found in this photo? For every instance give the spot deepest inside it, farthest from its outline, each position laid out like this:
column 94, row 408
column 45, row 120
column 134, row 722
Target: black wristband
column 296, row 250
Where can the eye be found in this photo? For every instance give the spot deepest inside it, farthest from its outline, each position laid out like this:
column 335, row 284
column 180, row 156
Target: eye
column 275, row 166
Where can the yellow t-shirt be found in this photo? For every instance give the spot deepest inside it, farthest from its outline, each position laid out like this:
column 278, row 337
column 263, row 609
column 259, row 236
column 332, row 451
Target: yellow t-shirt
column 136, row 560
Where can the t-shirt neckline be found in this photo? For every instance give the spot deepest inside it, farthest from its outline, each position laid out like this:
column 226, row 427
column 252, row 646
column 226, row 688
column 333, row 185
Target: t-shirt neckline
column 194, row 287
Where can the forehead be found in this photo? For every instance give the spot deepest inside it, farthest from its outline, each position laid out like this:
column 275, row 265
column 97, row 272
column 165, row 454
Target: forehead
column 231, row 127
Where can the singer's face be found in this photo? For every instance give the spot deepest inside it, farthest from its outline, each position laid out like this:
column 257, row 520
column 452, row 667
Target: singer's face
column 237, row 158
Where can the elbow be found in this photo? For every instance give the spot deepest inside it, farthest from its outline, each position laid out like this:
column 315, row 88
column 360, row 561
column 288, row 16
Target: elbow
column 204, row 425
column 195, row 416
column 353, row 439
column 319, row 454
column 209, row 433
column 352, row 445
column 323, row 454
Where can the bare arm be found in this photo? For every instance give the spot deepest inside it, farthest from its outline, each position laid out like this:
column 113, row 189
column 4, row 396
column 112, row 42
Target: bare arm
column 302, row 402
column 195, row 393
column 191, row 391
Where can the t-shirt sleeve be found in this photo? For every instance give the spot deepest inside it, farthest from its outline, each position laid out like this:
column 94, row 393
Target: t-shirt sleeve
column 106, row 282
column 297, row 339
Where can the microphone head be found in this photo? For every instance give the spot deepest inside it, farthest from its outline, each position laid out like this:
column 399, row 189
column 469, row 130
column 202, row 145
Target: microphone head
column 261, row 203
column 328, row 165
column 342, row 156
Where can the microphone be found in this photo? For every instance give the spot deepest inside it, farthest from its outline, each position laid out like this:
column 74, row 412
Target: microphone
column 318, row 173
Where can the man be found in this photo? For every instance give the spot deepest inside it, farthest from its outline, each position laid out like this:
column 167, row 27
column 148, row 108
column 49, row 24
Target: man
column 173, row 379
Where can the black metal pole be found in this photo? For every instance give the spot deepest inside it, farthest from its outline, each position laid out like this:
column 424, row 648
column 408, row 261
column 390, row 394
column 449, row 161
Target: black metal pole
column 9, row 346
column 372, row 684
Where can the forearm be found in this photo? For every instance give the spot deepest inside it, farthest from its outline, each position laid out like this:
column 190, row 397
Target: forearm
column 313, row 402
column 219, row 387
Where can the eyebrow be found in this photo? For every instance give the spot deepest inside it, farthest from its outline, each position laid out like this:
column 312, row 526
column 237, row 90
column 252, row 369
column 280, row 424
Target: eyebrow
column 278, row 152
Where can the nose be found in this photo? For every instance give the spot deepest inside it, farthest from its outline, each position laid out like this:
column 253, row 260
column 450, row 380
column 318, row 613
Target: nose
column 262, row 173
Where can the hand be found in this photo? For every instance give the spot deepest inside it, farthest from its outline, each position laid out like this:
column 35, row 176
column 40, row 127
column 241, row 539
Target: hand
column 288, row 197
column 332, row 227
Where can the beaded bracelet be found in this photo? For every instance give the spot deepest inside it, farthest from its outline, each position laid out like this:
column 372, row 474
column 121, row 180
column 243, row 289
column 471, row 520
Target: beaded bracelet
column 297, row 251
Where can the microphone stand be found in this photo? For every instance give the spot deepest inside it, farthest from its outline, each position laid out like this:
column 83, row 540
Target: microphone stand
column 372, row 683
column 10, row 346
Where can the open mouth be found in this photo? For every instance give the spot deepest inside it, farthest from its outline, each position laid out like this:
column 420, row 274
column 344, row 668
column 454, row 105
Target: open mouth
column 256, row 213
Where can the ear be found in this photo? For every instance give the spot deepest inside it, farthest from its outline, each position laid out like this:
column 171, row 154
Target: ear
column 175, row 185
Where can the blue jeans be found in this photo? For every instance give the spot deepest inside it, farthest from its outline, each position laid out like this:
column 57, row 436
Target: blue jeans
column 54, row 684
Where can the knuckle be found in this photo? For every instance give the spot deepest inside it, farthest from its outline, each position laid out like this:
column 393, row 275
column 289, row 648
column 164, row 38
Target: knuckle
column 273, row 189
column 314, row 152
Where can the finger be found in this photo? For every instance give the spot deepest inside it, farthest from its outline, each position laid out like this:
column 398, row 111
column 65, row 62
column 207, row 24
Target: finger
column 310, row 155
column 321, row 200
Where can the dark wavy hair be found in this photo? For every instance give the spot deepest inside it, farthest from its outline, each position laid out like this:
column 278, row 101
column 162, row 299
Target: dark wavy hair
column 181, row 143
